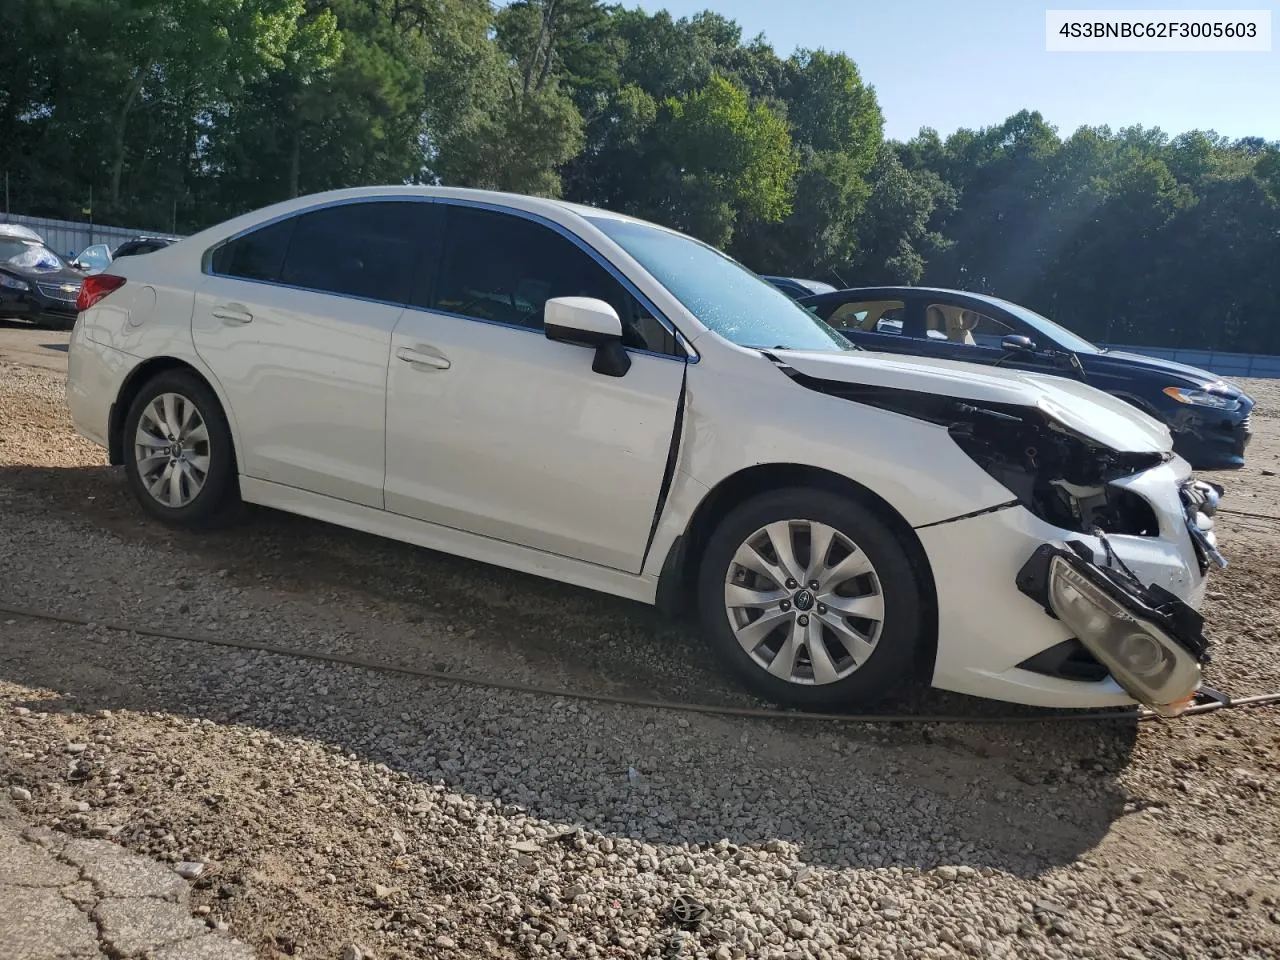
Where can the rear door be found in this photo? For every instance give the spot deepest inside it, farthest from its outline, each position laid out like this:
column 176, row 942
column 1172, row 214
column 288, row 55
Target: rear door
column 295, row 322
column 872, row 322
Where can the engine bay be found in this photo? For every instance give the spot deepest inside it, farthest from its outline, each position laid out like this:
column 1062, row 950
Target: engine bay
column 1060, row 477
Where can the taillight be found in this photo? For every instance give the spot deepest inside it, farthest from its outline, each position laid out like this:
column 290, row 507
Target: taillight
column 96, row 287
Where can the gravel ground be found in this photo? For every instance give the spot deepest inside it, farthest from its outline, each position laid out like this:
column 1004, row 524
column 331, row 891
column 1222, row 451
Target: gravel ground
column 345, row 813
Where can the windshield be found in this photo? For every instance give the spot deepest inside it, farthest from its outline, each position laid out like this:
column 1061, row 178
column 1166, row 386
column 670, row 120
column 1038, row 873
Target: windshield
column 29, row 255
column 724, row 295
column 1064, row 337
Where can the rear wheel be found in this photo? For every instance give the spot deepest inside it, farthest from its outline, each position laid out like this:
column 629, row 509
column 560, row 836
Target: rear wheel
column 178, row 453
column 811, row 599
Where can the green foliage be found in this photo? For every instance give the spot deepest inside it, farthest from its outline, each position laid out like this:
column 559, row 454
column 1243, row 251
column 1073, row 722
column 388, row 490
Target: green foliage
column 837, row 125
column 174, row 114
column 1127, row 237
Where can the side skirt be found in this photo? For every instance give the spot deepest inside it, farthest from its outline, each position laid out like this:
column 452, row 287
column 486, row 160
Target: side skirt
column 448, row 540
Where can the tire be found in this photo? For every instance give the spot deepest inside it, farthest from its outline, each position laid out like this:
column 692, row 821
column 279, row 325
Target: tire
column 867, row 654
column 200, row 502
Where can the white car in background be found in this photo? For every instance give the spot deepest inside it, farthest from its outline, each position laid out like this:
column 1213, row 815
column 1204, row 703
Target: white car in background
column 580, row 395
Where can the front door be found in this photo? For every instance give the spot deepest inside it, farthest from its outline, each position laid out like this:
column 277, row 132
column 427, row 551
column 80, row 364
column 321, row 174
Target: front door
column 955, row 331
column 872, row 324
column 496, row 430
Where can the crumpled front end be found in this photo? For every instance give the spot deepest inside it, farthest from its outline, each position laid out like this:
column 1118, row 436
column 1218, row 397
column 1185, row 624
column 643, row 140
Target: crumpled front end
column 1051, row 615
column 1080, row 589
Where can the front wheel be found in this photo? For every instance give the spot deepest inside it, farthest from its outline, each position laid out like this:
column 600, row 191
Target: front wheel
column 812, row 600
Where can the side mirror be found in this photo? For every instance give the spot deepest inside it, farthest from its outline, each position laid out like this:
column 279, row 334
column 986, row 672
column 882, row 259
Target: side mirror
column 1016, row 343
column 588, row 322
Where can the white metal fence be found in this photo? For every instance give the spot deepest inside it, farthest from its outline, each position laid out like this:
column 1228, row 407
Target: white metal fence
column 1224, row 364
column 70, row 236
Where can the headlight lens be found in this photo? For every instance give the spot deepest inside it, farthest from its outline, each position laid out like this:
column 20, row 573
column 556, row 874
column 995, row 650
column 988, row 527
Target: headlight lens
column 1203, row 398
column 1148, row 664
column 13, row 283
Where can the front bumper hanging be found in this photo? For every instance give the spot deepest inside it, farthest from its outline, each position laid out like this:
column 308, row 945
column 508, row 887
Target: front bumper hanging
column 1152, row 642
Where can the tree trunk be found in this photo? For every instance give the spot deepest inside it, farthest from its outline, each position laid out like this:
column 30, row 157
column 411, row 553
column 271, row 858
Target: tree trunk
column 117, row 162
column 544, row 29
column 296, row 146
column 295, row 158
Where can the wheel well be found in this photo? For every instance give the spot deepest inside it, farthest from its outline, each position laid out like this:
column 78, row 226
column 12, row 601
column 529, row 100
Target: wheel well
column 676, row 587
column 1133, row 401
column 133, row 383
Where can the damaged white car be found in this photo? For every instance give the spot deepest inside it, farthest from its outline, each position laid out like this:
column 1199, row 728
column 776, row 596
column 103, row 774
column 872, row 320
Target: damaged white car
column 580, row 395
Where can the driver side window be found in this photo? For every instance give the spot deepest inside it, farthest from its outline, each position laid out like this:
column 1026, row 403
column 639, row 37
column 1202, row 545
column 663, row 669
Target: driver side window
column 959, row 325
column 502, row 268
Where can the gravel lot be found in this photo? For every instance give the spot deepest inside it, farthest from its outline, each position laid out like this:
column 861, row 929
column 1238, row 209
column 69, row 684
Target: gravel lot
column 344, row 813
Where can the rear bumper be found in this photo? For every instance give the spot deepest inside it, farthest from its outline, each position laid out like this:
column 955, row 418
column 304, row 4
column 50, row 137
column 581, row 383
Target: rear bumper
column 988, row 629
column 95, row 374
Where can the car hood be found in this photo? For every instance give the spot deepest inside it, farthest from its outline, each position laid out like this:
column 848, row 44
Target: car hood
column 1177, row 371
column 1088, row 412
column 59, row 276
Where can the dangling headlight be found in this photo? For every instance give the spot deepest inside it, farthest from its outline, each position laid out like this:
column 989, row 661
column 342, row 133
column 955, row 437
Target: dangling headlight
column 1150, row 641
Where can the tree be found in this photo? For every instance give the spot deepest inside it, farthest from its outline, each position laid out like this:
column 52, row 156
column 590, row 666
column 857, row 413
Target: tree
column 838, row 128
column 185, row 50
column 897, row 239
column 715, row 157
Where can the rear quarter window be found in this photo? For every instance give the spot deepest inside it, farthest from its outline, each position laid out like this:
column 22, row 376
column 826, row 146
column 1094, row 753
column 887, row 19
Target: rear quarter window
column 258, row 255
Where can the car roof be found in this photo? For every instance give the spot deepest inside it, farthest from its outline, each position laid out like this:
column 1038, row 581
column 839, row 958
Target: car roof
column 799, row 281
column 559, row 211
column 17, row 231
column 904, row 291
column 160, row 240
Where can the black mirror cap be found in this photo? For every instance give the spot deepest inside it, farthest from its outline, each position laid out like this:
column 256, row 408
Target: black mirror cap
column 1016, row 343
column 579, row 338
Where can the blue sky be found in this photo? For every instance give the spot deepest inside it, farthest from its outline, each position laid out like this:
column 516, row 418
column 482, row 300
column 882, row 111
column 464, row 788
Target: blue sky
column 971, row 63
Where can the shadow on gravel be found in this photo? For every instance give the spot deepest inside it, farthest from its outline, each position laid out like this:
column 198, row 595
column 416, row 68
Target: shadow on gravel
column 1023, row 798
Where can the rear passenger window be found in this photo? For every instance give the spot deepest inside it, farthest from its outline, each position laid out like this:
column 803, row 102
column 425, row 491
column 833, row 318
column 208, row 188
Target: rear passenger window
column 868, row 316
column 255, row 256
column 365, row 249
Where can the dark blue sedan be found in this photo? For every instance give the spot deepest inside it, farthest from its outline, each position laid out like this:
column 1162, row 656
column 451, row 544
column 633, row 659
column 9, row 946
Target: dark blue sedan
column 1208, row 416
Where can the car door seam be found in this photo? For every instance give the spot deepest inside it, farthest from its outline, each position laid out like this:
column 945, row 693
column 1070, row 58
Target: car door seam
column 668, row 474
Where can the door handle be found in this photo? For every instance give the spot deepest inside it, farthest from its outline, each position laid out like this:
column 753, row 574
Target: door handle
column 232, row 313
column 422, row 358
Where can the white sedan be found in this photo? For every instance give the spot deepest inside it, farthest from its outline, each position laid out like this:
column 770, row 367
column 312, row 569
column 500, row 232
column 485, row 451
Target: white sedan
column 581, row 395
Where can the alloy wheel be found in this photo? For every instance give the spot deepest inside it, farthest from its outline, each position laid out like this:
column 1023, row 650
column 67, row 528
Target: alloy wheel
column 171, row 449
column 804, row 602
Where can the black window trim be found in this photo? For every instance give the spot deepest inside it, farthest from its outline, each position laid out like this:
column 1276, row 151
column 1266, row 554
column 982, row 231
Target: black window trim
column 682, row 343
